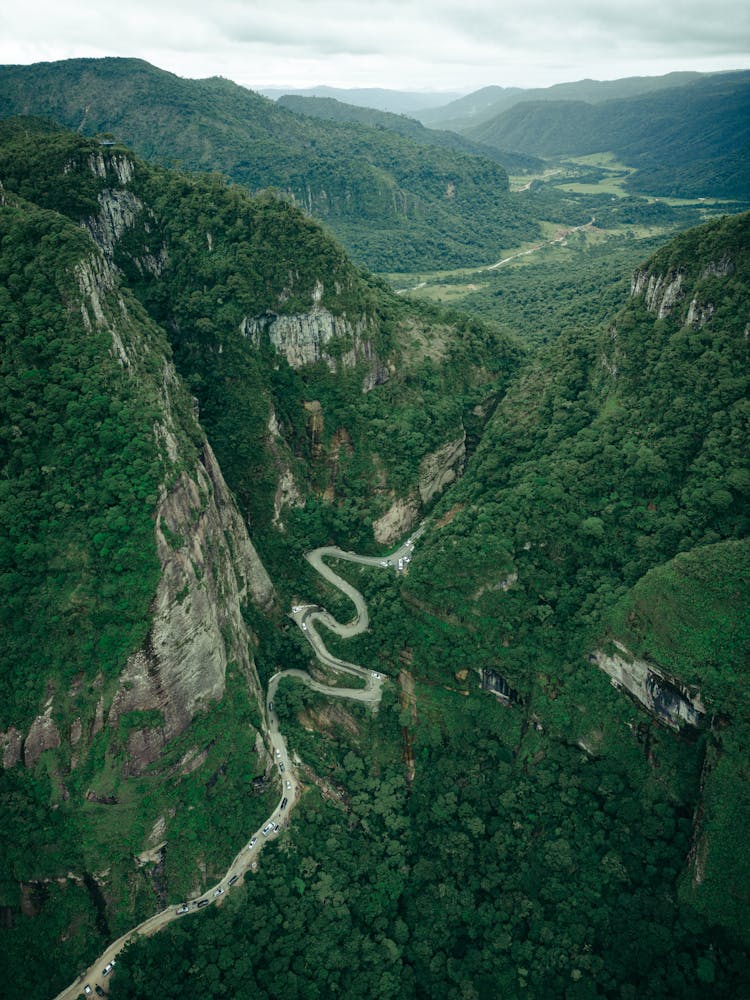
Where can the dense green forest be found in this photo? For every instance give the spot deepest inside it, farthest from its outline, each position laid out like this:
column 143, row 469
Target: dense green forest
column 395, row 203
column 689, row 141
column 329, row 109
column 545, row 848
column 558, row 842
column 513, row 865
column 177, row 265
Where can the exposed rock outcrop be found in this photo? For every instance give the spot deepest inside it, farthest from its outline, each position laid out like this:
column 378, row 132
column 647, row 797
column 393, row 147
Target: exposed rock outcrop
column 662, row 695
column 436, row 471
column 699, row 314
column 287, row 495
column 118, row 210
column 397, row 521
column 197, row 625
column 442, row 467
column 43, row 735
column 661, row 292
column 318, row 335
column 11, row 744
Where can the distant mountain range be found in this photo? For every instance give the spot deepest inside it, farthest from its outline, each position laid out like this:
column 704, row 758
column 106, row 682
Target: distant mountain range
column 691, row 140
column 328, row 109
column 396, row 101
column 484, row 104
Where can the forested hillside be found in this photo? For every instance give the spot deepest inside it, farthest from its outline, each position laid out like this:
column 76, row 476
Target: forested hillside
column 555, row 839
column 508, row 822
column 394, row 203
column 127, row 290
column 329, row 109
column 690, row 141
column 489, row 102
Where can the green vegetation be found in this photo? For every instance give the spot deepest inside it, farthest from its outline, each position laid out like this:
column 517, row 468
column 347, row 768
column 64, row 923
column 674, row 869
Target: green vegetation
column 512, row 865
column 689, row 141
column 394, row 202
column 489, row 102
column 332, row 110
column 449, row 846
column 562, row 287
column 80, row 475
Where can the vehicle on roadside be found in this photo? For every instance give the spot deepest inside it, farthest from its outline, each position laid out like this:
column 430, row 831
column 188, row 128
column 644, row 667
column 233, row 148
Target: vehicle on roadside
column 182, row 909
column 281, row 767
column 288, row 783
column 270, row 706
column 284, row 803
column 108, row 968
column 87, row 989
column 202, row 902
column 376, row 675
column 233, row 879
column 304, row 626
column 278, row 753
column 268, row 828
column 253, row 842
column 218, row 892
column 99, row 991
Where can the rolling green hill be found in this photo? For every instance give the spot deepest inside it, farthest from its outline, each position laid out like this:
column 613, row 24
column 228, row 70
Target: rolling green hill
column 689, row 141
column 394, row 203
column 482, row 105
column 329, row 109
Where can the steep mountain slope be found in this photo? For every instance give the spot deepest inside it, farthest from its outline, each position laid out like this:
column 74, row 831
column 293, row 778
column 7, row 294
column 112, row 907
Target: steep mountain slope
column 619, row 463
column 546, row 836
column 128, row 679
column 329, row 109
column 630, row 446
column 393, row 203
column 134, row 299
column 691, row 141
column 563, row 845
column 240, row 283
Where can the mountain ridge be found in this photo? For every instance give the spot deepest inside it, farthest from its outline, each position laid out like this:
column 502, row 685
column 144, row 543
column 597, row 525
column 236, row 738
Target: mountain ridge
column 394, row 203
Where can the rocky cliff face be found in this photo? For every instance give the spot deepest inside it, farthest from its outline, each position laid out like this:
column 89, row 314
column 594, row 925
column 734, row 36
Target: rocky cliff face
column 209, row 567
column 661, row 292
column 197, row 626
column 661, row 695
column 436, row 471
column 318, row 335
column 664, row 292
column 441, row 468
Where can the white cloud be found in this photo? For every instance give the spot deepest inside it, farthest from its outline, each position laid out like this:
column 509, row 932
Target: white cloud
column 406, row 44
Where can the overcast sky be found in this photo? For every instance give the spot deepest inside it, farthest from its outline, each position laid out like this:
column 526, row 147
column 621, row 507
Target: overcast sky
column 401, row 44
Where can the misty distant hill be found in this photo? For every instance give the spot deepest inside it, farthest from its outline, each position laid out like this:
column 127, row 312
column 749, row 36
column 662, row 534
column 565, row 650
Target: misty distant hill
column 396, row 101
column 484, row 104
column 691, row 141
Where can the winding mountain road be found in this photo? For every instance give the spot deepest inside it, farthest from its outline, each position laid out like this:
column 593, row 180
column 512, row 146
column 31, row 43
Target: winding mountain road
column 305, row 616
